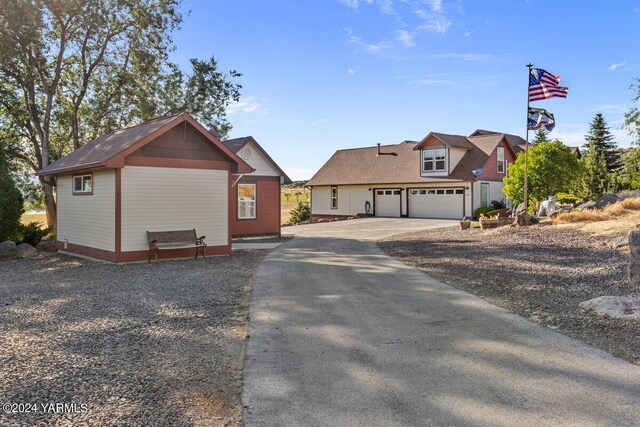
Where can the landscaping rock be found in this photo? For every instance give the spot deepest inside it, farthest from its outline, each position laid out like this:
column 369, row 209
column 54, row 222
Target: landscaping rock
column 600, row 203
column 25, row 250
column 618, row 242
column 526, row 219
column 47, row 246
column 8, row 250
column 605, row 200
column 634, row 244
column 587, row 205
column 633, row 273
column 519, row 209
column 45, row 238
column 614, row 307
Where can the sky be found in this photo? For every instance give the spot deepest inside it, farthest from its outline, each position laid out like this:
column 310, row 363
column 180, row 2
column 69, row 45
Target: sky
column 323, row 75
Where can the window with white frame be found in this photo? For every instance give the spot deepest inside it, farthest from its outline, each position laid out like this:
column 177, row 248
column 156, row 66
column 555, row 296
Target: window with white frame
column 334, row 197
column 246, row 201
column 501, row 161
column 83, row 184
column 433, row 160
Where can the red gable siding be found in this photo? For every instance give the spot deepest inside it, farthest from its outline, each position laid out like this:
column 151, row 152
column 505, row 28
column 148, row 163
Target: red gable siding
column 490, row 172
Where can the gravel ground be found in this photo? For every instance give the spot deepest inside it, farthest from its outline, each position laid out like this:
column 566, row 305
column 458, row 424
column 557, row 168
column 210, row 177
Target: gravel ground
column 541, row 272
column 139, row 344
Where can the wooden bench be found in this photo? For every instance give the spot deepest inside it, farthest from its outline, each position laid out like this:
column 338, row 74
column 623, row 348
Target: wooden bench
column 180, row 239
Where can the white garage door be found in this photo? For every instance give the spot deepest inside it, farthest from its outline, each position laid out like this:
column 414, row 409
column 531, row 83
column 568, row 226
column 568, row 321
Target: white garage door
column 436, row 203
column 388, row 202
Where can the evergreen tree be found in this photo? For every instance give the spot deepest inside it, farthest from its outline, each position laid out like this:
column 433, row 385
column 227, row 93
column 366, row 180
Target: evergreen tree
column 11, row 202
column 541, row 136
column 595, row 177
column 603, row 141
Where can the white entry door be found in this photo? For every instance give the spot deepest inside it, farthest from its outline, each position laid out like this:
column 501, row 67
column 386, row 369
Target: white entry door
column 436, row 203
column 388, row 202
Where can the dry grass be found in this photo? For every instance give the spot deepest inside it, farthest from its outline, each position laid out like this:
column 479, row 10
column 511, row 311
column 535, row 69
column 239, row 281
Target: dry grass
column 613, row 211
column 39, row 217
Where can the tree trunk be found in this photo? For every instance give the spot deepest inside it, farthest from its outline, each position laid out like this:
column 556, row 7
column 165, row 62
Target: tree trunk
column 49, row 202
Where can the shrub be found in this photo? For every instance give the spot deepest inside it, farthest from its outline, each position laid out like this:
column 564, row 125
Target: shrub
column 300, row 214
column 497, row 204
column 32, row 233
column 483, row 210
column 566, row 198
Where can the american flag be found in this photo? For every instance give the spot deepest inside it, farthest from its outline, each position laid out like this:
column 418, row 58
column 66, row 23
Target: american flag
column 543, row 85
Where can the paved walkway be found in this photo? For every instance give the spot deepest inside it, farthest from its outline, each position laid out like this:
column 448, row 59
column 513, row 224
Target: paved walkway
column 342, row 334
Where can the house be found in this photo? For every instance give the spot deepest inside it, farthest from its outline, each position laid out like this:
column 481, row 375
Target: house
column 257, row 211
column 442, row 176
column 163, row 175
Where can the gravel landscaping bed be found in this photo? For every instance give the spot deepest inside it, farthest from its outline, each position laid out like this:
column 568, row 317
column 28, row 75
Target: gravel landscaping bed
column 541, row 272
column 138, row 344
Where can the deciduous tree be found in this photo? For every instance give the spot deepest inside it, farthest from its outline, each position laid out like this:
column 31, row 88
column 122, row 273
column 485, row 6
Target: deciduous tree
column 552, row 169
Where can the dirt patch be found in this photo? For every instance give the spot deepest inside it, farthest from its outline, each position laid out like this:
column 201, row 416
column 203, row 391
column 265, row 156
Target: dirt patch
column 139, row 344
column 541, row 272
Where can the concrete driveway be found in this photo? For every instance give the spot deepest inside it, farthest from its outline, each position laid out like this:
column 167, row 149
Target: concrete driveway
column 341, row 334
column 366, row 228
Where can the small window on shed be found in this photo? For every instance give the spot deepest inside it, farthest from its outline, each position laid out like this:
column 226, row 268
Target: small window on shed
column 83, row 184
column 334, row 197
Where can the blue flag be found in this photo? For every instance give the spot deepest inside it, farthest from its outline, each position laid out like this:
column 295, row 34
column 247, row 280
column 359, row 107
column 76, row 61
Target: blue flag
column 540, row 118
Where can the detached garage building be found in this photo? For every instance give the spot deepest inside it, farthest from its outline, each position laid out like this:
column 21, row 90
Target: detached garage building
column 442, row 176
column 168, row 174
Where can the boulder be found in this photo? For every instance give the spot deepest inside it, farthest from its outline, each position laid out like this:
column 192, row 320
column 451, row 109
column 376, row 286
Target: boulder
column 519, row 209
column 618, row 242
column 534, row 220
column 8, row 250
column 606, row 200
column 614, row 307
column 47, row 246
column 633, row 273
column 634, row 244
column 25, row 250
column 523, row 219
column 586, row 205
column 45, row 238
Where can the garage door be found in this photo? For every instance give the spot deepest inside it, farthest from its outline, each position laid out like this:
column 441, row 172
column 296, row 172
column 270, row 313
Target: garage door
column 436, row 203
column 388, row 202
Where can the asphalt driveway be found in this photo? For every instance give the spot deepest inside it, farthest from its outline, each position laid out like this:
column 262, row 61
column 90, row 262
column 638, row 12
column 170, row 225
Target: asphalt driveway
column 341, row 334
column 366, row 228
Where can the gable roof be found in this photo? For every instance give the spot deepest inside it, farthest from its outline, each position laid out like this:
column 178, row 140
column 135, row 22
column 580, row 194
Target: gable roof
column 364, row 166
column 105, row 150
column 236, row 145
column 515, row 141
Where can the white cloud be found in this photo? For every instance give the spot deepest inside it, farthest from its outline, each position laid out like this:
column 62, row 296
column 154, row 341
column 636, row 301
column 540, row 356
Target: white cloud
column 318, row 122
column 354, row 4
column 614, row 67
column 372, row 48
column 351, row 71
column 458, row 81
column 405, row 37
column 467, row 32
column 299, row 174
column 612, row 109
column 436, row 24
column 248, row 104
column 637, row 9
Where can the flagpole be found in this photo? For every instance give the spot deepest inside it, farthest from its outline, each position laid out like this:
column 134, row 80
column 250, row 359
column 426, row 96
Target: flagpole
column 526, row 149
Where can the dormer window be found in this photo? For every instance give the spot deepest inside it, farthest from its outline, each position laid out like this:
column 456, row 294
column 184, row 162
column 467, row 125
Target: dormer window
column 433, row 160
column 501, row 161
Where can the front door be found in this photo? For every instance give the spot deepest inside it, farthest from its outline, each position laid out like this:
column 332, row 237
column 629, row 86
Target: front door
column 484, row 195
